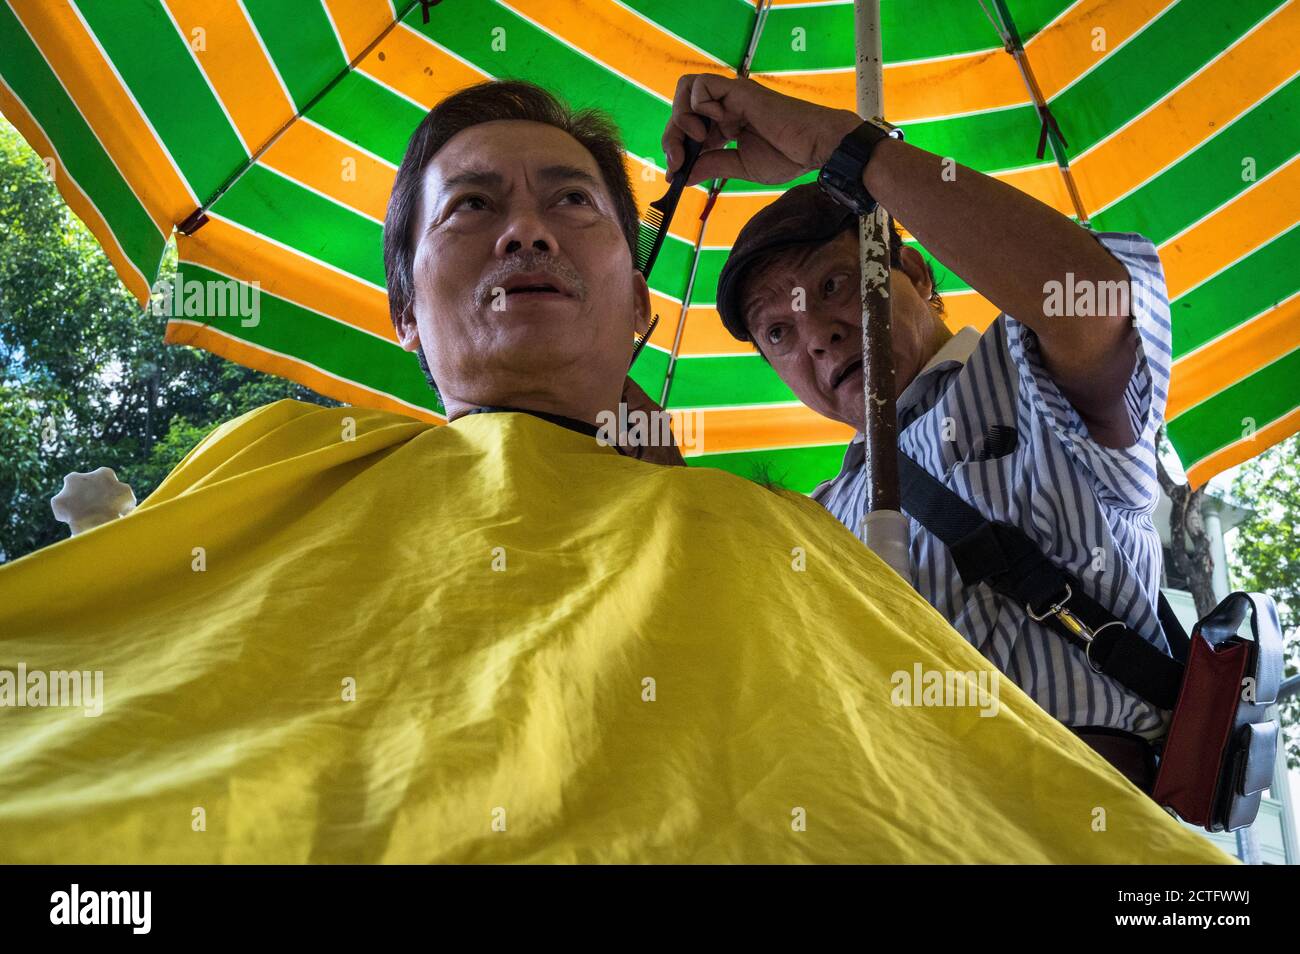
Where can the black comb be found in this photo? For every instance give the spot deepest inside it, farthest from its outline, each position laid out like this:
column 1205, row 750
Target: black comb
column 641, row 340
column 652, row 229
column 659, row 214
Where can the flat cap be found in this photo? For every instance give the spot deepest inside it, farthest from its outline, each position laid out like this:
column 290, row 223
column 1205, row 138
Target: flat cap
column 804, row 215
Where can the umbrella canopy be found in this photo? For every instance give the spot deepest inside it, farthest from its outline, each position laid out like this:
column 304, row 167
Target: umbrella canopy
column 285, row 123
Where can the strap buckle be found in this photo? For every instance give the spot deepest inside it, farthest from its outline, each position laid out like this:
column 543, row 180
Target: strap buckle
column 894, row 132
column 1075, row 625
column 1057, row 609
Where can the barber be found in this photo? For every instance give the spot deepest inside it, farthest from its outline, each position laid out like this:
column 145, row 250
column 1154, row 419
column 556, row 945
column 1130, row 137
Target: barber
column 1045, row 420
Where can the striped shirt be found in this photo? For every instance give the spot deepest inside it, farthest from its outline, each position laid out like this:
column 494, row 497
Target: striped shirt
column 1088, row 507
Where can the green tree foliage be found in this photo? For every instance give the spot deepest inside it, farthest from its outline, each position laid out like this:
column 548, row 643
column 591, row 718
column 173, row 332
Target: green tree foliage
column 85, row 379
column 1267, row 553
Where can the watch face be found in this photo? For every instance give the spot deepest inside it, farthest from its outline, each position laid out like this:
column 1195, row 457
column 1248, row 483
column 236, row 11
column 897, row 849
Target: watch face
column 840, row 189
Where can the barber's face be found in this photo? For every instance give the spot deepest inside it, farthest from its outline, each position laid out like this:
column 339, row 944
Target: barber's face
column 524, row 282
column 817, row 351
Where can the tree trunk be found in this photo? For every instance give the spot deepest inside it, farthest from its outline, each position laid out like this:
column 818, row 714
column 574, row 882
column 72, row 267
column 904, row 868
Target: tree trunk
column 1189, row 544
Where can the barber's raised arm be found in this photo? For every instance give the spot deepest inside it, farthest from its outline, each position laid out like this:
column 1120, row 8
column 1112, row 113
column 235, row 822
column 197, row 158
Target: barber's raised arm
column 1007, row 245
column 1014, row 249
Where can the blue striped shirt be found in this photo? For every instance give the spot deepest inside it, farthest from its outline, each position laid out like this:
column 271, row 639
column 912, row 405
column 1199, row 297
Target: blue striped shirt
column 1089, row 507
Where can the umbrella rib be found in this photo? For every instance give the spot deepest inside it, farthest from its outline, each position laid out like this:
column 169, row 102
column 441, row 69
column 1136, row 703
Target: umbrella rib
column 686, row 299
column 760, row 19
column 198, row 217
column 1051, row 130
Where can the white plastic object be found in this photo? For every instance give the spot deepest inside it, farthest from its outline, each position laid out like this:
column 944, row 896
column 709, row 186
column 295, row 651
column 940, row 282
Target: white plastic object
column 89, row 500
column 888, row 536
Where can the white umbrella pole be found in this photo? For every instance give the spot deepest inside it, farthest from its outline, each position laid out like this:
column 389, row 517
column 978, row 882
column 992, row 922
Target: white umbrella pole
column 885, row 529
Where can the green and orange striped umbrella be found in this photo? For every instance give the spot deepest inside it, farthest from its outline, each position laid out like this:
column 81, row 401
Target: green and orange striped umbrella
column 284, row 121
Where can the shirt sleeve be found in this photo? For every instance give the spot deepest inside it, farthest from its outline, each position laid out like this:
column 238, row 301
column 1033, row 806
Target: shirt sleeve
column 1124, row 477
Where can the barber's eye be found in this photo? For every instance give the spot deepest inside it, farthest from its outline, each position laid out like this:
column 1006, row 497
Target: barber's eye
column 582, row 197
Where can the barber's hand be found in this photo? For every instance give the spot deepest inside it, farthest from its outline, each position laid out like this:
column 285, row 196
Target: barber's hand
column 778, row 137
column 637, row 400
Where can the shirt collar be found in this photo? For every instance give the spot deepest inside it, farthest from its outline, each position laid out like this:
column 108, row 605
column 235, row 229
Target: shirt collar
column 955, row 351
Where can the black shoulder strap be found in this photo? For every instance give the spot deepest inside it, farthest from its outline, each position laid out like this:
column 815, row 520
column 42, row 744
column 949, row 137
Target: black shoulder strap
column 1005, row 558
column 1180, row 644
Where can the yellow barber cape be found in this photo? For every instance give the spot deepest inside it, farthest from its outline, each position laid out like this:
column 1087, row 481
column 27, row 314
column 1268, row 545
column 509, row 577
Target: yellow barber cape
column 343, row 635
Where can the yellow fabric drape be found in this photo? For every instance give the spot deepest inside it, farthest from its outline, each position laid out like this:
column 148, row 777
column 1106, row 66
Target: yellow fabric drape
column 342, row 635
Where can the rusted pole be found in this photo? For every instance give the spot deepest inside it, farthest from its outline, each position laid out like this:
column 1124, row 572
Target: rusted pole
column 885, row 529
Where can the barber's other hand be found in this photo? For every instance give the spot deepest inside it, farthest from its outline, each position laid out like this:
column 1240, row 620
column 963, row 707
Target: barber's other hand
column 637, row 400
column 778, row 137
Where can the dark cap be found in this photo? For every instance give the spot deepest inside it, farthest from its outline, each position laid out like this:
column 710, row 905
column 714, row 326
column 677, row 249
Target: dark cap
column 804, row 215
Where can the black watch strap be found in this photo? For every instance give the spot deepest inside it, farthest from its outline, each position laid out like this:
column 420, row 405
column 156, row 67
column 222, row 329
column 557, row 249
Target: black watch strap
column 841, row 177
column 862, row 141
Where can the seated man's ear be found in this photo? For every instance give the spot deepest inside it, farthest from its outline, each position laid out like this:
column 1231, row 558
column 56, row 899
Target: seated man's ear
column 641, row 302
column 408, row 332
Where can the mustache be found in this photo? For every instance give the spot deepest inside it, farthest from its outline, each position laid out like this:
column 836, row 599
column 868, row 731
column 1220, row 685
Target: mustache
column 502, row 272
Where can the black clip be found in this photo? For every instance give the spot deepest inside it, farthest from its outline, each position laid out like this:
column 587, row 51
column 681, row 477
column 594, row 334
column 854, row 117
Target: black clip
column 193, row 222
column 1047, row 120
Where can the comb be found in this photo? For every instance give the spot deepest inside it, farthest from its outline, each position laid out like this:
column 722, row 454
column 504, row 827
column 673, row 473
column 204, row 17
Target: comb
column 654, row 226
column 641, row 340
column 659, row 214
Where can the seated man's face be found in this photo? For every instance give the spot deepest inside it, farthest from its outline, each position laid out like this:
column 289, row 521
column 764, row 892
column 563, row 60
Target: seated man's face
column 524, row 282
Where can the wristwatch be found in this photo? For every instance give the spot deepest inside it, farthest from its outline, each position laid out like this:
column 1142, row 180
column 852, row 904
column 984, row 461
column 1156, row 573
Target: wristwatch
column 841, row 177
